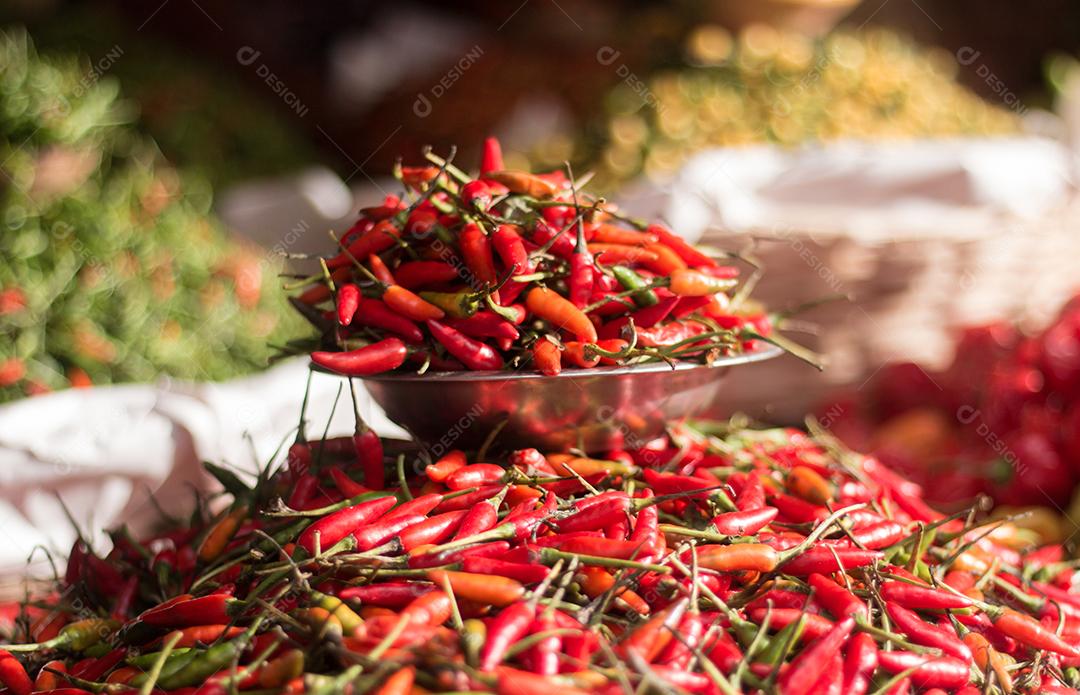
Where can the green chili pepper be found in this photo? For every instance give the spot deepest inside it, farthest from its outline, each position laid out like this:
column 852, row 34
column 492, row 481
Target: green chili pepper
column 632, row 281
column 206, row 663
column 145, row 661
column 779, row 642
column 473, row 637
column 460, row 305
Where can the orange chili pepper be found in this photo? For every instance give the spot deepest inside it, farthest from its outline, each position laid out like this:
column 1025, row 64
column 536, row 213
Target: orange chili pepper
column 622, row 253
column 649, row 638
column 667, row 260
column 410, row 304
column 379, row 269
column 576, row 355
column 46, row 679
column 222, row 532
column 552, row 307
column 514, row 682
column 612, row 234
column 597, row 580
column 483, row 588
column 805, row 482
column 546, row 357
column 400, row 683
column 694, row 283
column 587, row 466
column 985, row 654
column 206, row 634
column 122, row 675
column 282, row 669
column 441, row 469
column 430, row 609
column 523, row 183
column 757, row 557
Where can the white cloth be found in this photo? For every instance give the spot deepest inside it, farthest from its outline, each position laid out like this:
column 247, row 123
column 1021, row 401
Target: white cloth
column 873, row 191
column 104, row 450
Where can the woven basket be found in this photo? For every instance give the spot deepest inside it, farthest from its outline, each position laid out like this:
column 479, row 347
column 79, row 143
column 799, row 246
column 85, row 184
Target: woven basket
column 908, row 299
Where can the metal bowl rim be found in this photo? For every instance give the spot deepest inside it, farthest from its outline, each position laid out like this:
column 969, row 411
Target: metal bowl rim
column 766, row 352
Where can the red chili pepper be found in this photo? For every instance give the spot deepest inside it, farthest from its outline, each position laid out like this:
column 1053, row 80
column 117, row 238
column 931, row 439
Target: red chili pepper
column 375, row 313
column 13, row 676
column 671, row 484
column 468, row 499
column 437, row 529
column 826, row 560
column 381, row 531
column 475, row 475
column 929, row 671
column 387, row 594
column 526, row 573
column 836, row 598
column 333, row 528
column 420, row 505
column 744, row 523
column 346, row 485
column 557, row 241
column 859, row 664
column 807, row 667
column 797, row 510
column 880, row 535
column 378, row 239
column 600, row 547
column 926, row 634
column 543, row 657
column 369, row 456
column 348, row 301
column 647, row 524
column 581, row 271
column 492, row 159
column 376, row 358
column 751, row 495
column 414, row 274
column 480, row 518
column 814, row 626
column 596, row 516
column 197, row 611
column 921, row 597
column 302, row 491
column 476, row 251
column 476, row 195
column 510, row 247
column 485, row 324
column 473, row 354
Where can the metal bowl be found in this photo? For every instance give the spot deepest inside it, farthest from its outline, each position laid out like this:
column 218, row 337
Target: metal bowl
column 593, row 409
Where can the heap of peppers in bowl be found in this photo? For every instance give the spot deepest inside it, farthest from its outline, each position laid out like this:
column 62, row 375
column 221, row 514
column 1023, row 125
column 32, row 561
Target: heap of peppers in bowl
column 714, row 559
column 512, row 270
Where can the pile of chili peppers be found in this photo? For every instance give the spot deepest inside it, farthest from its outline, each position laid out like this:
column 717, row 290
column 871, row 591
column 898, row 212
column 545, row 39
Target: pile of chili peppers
column 1003, row 419
column 513, row 269
column 714, row 559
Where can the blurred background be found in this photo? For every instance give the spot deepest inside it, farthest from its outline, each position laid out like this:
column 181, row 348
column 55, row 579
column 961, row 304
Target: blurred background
column 915, row 157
